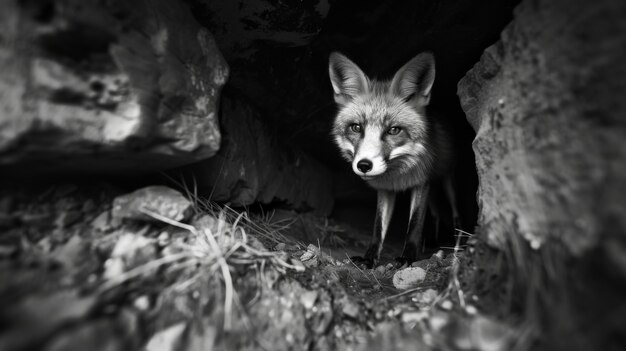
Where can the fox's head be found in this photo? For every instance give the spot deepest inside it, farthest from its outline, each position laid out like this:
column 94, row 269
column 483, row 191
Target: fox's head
column 381, row 125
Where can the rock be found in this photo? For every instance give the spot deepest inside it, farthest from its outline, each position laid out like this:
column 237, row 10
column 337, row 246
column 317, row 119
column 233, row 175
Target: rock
column 311, row 253
column 142, row 303
column 169, row 339
column 350, row 308
column 413, row 316
column 408, row 278
column 426, row 297
column 162, row 200
column 102, row 222
column 547, row 103
column 544, row 85
column 308, row 298
column 252, row 166
column 131, row 250
column 116, row 87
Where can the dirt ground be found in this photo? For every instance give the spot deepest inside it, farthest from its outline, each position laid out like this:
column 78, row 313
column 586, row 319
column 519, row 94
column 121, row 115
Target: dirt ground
column 97, row 268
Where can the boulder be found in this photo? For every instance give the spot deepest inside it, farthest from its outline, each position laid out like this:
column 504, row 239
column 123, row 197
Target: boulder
column 106, row 87
column 547, row 106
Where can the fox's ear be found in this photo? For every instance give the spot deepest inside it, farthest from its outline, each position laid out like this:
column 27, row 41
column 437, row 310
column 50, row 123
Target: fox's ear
column 347, row 78
column 415, row 79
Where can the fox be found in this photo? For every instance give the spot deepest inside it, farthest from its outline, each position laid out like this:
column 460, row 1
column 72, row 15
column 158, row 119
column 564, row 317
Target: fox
column 383, row 129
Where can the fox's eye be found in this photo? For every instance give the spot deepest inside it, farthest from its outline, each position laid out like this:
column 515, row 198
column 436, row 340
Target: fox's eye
column 394, row 130
column 355, row 127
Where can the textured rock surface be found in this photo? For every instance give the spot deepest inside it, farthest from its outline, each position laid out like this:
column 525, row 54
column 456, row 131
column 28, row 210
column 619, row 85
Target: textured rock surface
column 159, row 199
column 106, row 86
column 547, row 103
column 252, row 166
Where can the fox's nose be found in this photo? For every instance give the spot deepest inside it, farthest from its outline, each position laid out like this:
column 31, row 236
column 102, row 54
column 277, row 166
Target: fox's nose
column 364, row 165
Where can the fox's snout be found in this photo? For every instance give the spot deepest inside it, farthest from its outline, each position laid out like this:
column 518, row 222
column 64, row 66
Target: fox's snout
column 364, row 165
column 369, row 158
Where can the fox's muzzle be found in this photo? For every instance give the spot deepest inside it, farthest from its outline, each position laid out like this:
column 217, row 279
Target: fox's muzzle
column 368, row 160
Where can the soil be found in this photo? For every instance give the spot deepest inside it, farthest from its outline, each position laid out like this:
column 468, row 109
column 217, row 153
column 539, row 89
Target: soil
column 75, row 275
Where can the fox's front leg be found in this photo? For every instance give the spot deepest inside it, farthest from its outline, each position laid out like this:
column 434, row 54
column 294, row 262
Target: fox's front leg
column 417, row 214
column 384, row 210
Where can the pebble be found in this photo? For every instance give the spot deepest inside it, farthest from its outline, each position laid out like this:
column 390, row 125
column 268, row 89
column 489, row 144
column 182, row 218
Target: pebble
column 408, row 278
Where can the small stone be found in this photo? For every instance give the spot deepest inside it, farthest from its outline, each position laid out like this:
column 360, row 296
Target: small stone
column 298, row 266
column 163, row 239
column 426, row 297
column 311, row 252
column 381, row 269
column 413, row 316
column 280, row 247
column 113, row 268
column 408, row 278
column 471, row 309
column 308, row 299
column 446, row 305
column 168, row 339
column 130, row 250
column 142, row 303
column 350, row 308
column 313, row 262
column 161, row 200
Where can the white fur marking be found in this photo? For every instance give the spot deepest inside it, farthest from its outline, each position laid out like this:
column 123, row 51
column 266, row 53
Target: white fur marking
column 407, row 149
column 415, row 199
column 345, row 145
column 386, row 202
column 370, row 149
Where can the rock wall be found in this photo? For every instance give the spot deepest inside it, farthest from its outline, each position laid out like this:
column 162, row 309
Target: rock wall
column 254, row 166
column 106, row 87
column 547, row 104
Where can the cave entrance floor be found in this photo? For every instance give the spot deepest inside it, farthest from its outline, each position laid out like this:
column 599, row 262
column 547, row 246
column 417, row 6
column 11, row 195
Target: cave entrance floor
column 74, row 278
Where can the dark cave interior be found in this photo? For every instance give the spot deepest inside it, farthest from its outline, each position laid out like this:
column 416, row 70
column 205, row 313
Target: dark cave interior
column 287, row 81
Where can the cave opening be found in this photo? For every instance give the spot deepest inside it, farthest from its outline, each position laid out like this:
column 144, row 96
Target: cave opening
column 286, row 82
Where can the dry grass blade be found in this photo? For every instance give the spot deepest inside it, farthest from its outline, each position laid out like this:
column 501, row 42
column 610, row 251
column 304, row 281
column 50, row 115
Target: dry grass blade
column 214, row 246
column 407, row 292
column 142, row 269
